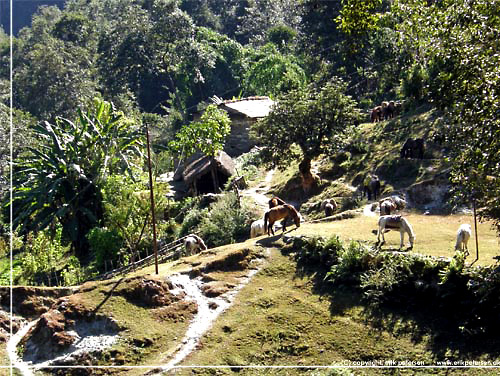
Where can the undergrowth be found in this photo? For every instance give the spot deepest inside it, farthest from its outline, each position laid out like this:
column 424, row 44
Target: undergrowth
column 469, row 296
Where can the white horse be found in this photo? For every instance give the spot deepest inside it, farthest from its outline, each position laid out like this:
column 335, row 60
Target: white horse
column 395, row 222
column 194, row 244
column 463, row 235
column 257, row 228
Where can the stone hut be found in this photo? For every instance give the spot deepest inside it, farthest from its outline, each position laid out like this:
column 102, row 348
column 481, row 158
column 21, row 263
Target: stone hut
column 243, row 113
column 198, row 176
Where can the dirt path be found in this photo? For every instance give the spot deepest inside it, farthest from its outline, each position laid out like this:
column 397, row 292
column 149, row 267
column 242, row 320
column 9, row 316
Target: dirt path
column 258, row 193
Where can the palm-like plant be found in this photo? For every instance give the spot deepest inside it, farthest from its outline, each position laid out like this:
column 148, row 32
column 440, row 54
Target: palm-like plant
column 61, row 179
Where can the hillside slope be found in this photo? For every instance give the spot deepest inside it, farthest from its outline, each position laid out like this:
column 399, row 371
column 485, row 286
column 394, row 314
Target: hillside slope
column 283, row 317
column 375, row 148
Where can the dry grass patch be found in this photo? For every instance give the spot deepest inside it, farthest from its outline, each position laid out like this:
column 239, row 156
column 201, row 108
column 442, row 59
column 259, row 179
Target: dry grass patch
column 435, row 234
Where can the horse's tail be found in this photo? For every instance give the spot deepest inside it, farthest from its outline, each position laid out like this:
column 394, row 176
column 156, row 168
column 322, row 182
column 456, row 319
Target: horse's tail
column 266, row 219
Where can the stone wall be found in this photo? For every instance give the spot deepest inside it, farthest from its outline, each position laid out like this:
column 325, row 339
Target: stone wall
column 238, row 141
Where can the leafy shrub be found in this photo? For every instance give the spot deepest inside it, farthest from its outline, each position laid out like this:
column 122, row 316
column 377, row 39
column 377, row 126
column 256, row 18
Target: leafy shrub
column 379, row 283
column 318, row 250
column 105, row 244
column 128, row 210
column 44, row 254
column 454, row 268
column 226, row 222
column 469, row 297
column 192, row 220
column 415, row 82
column 351, row 261
column 73, row 273
column 179, row 209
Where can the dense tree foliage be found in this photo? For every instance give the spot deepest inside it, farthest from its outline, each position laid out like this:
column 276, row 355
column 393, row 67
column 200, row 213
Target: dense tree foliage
column 160, row 61
column 61, row 178
column 454, row 52
column 314, row 119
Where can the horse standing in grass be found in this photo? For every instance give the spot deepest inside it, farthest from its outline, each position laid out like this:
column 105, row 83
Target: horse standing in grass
column 257, row 228
column 463, row 235
column 395, row 222
column 329, row 206
column 387, row 207
column 194, row 244
column 280, row 212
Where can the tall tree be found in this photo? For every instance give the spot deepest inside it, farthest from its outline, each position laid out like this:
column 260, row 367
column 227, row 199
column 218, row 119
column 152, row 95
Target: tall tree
column 272, row 73
column 456, row 43
column 314, row 119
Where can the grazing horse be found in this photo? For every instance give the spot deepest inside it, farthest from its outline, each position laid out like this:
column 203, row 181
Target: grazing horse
column 463, row 235
column 329, row 206
column 257, row 228
column 395, row 222
column 280, row 212
column 387, row 207
column 194, row 243
column 376, row 114
column 275, row 201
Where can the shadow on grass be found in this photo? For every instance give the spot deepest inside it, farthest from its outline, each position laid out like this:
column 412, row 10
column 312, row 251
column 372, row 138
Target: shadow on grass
column 422, row 320
column 109, row 294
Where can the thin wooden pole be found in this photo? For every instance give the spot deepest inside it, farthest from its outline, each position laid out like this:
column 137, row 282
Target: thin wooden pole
column 151, row 195
column 475, row 228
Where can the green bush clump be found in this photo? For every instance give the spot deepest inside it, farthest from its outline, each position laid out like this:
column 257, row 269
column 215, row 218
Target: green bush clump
column 318, row 250
column 351, row 263
column 192, row 219
column 105, row 244
column 223, row 222
column 467, row 296
column 394, row 272
column 227, row 222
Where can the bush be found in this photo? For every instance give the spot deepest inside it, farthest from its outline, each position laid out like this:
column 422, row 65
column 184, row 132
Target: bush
column 414, row 84
column 192, row 220
column 105, row 244
column 227, row 221
column 379, row 283
column 44, row 255
column 318, row 250
column 468, row 297
column 351, row 261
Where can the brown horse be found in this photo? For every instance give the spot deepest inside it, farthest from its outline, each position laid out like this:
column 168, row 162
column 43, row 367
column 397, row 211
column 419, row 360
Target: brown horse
column 275, row 201
column 280, row 212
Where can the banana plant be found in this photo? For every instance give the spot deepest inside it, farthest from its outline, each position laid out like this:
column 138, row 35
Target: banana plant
column 61, row 179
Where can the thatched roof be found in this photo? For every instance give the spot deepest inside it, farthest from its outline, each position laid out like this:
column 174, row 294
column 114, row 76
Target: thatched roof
column 201, row 166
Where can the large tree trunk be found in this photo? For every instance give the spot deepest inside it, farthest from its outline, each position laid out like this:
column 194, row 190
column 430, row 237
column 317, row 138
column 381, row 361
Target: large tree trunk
column 309, row 181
